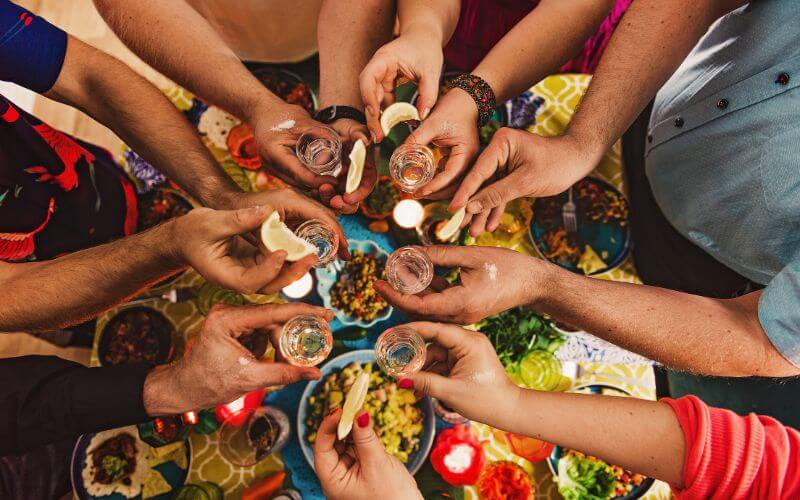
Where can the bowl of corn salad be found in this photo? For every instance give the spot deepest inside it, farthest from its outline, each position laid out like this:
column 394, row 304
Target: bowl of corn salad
column 346, row 287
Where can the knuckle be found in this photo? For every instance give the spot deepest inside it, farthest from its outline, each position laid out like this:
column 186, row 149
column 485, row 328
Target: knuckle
column 217, row 312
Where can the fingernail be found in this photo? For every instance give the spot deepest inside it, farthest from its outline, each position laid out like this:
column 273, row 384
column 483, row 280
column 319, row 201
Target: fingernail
column 363, row 420
column 374, row 139
column 425, row 112
column 474, row 207
column 405, row 383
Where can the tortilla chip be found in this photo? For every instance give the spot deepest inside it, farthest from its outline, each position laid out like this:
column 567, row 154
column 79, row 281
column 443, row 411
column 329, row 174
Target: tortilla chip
column 175, row 452
column 154, row 485
column 590, row 262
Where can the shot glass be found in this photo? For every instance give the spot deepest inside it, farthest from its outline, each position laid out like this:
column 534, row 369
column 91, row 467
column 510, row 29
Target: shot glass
column 258, row 433
column 412, row 166
column 305, row 340
column 409, row 270
column 400, row 351
column 319, row 149
column 321, row 236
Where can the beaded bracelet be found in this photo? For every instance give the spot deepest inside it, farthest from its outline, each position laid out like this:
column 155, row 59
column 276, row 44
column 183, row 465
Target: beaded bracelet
column 481, row 93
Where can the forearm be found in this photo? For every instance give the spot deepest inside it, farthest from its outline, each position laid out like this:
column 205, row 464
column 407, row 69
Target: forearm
column 539, row 44
column 649, row 44
column 436, row 19
column 117, row 97
column 64, row 291
column 349, row 33
column 639, row 435
column 683, row 331
column 173, row 38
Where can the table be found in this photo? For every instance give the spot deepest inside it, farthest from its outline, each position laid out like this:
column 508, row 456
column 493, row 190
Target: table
column 561, row 94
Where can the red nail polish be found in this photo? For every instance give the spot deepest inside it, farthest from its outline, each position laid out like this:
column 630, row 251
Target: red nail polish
column 363, row 420
column 405, row 383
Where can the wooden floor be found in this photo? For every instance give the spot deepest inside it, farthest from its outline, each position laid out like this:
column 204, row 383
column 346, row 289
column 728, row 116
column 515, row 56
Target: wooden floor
column 80, row 19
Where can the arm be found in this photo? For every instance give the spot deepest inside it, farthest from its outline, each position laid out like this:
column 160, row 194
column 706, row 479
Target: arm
column 700, row 450
column 113, row 94
column 100, row 277
column 541, row 39
column 45, row 399
column 349, row 32
column 646, row 48
column 684, row 331
column 176, row 40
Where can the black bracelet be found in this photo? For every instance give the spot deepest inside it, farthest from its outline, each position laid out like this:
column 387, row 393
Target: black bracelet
column 481, row 93
column 333, row 113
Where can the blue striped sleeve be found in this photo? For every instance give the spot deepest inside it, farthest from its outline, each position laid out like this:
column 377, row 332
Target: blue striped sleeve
column 31, row 49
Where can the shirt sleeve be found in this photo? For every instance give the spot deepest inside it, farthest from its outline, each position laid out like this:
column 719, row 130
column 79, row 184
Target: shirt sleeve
column 44, row 399
column 779, row 312
column 730, row 456
column 31, row 49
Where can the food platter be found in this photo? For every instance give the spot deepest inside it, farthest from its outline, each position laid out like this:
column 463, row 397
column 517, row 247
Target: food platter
column 415, row 460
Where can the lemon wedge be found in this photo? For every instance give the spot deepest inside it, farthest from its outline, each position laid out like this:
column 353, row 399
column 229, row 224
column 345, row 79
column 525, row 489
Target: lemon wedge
column 355, row 399
column 450, row 229
column 396, row 113
column 357, row 158
column 277, row 236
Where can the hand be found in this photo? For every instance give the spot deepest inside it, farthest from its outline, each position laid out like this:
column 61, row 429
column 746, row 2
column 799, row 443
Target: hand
column 218, row 369
column 528, row 165
column 492, row 280
column 462, row 370
column 294, row 208
column 416, row 56
column 453, row 128
column 207, row 240
column 334, row 195
column 277, row 128
column 361, row 469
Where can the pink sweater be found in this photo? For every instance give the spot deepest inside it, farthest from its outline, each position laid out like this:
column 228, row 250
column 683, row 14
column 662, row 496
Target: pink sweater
column 729, row 456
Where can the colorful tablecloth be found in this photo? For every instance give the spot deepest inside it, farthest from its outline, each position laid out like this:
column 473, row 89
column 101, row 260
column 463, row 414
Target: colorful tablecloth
column 560, row 95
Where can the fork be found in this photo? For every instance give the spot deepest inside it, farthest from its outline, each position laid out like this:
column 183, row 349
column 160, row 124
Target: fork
column 568, row 214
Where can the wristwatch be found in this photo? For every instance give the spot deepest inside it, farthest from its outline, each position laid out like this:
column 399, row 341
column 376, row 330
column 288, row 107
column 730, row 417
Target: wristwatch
column 333, row 113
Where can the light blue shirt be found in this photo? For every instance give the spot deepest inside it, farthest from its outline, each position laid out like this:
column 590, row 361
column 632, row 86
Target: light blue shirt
column 723, row 155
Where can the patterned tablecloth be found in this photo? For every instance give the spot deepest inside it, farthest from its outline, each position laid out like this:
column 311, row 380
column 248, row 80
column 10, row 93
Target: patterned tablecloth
column 596, row 361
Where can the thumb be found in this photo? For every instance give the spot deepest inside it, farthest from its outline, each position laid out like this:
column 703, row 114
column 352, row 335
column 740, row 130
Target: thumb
column 429, row 384
column 428, row 93
column 368, row 447
column 497, row 194
column 243, row 220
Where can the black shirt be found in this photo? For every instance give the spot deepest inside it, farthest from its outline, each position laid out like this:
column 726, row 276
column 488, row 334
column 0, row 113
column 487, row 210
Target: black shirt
column 44, row 399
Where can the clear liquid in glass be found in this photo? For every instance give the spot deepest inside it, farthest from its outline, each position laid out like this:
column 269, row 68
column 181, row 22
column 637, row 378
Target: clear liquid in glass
column 321, row 236
column 412, row 166
column 400, row 351
column 319, row 149
column 306, row 340
column 409, row 270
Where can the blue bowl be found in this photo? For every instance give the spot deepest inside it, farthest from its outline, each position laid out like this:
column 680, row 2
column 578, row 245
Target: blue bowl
column 612, row 238
column 415, row 461
column 329, row 275
column 555, row 456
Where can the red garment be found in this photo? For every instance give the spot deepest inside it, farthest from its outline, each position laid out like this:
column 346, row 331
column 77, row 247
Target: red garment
column 483, row 23
column 729, row 456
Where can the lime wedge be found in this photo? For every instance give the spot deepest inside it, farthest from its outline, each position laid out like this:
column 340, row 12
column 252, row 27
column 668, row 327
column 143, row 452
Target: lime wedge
column 352, row 403
column 277, row 236
column 357, row 158
column 451, row 228
column 396, row 113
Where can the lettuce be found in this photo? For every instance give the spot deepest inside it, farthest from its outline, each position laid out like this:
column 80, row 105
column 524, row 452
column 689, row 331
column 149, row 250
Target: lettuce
column 583, row 479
